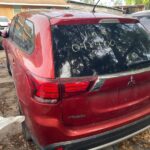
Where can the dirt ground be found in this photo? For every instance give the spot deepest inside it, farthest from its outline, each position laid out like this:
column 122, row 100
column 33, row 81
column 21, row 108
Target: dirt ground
column 8, row 107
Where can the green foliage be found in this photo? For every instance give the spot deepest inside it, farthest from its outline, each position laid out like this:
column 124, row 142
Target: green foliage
column 133, row 2
column 88, row 1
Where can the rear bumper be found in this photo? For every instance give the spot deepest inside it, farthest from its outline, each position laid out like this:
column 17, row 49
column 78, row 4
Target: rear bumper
column 105, row 139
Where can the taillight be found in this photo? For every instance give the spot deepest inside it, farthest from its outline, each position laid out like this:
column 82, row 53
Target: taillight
column 59, row 148
column 75, row 88
column 53, row 90
column 44, row 90
column 48, row 91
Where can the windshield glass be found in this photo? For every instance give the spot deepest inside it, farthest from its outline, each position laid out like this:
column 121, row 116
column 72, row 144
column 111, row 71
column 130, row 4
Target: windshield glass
column 3, row 19
column 99, row 49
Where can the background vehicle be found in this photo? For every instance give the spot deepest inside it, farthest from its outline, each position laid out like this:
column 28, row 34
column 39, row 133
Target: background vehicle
column 4, row 23
column 81, row 79
column 144, row 18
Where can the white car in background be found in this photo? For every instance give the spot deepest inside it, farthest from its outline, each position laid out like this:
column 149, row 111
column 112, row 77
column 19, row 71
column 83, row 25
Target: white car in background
column 143, row 17
column 4, row 23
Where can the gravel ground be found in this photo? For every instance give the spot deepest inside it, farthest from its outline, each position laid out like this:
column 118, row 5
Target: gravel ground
column 15, row 141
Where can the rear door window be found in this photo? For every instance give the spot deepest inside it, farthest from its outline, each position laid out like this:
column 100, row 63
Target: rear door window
column 99, row 49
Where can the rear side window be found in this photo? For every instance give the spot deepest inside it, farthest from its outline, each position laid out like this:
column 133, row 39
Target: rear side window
column 24, row 34
column 99, row 49
column 18, row 32
column 28, row 36
column 11, row 29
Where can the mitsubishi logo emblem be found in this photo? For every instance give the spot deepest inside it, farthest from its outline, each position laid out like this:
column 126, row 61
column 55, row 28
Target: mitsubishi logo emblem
column 131, row 82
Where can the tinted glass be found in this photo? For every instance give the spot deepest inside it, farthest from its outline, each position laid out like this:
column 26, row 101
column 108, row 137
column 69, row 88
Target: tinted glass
column 24, row 34
column 28, row 36
column 11, row 29
column 18, row 32
column 145, row 21
column 99, row 49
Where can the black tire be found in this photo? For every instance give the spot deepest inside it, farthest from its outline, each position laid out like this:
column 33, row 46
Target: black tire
column 26, row 134
column 8, row 66
column 1, row 48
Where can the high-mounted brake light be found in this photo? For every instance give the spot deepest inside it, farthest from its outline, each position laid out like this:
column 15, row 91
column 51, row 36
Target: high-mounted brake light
column 109, row 21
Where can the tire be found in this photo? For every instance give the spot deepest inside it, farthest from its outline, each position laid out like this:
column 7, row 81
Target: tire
column 1, row 48
column 8, row 66
column 26, row 134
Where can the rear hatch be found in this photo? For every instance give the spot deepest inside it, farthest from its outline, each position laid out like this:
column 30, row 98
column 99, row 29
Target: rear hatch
column 103, row 69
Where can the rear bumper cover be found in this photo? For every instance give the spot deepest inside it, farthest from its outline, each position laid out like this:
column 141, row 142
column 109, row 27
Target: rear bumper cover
column 104, row 139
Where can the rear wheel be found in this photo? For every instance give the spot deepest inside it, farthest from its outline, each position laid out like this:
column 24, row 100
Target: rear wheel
column 1, row 48
column 8, row 66
column 25, row 132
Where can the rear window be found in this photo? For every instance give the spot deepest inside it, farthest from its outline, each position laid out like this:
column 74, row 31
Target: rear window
column 99, row 49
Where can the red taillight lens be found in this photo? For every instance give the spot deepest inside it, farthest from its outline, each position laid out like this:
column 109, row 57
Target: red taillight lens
column 48, row 91
column 59, row 148
column 44, row 90
column 53, row 90
column 75, row 88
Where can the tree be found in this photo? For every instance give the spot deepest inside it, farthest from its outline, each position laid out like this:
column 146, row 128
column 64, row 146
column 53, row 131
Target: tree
column 118, row 2
column 88, row 1
column 133, row 2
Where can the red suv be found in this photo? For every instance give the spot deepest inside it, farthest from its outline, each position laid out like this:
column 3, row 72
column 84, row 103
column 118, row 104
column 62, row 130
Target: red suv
column 82, row 79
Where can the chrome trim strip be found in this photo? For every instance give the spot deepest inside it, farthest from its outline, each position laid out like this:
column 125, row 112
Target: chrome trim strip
column 121, row 139
column 98, row 84
column 124, row 73
column 101, row 78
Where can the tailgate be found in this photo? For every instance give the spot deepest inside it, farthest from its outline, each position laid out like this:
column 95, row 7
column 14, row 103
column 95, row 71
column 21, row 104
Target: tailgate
column 118, row 97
